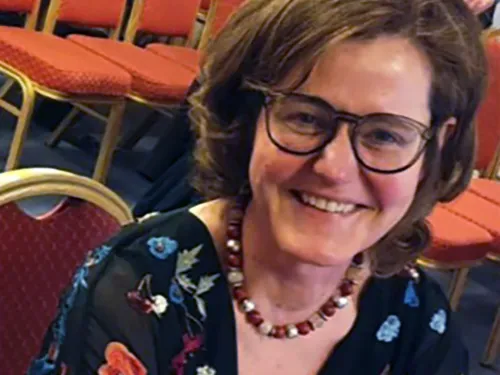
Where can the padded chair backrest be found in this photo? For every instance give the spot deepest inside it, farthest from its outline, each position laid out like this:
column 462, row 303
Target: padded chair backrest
column 218, row 15
column 205, row 4
column 91, row 13
column 39, row 255
column 30, row 7
column 25, row 6
column 488, row 118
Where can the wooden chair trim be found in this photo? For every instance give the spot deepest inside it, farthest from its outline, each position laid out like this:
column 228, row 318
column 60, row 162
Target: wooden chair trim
column 34, row 182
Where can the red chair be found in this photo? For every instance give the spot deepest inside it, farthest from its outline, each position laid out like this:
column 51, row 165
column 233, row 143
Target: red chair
column 156, row 82
column 46, row 65
column 39, row 254
column 479, row 204
column 218, row 14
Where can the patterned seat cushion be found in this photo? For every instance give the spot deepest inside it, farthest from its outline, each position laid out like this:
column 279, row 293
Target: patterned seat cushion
column 37, row 259
column 187, row 57
column 153, row 77
column 60, row 65
column 486, row 189
column 456, row 241
column 479, row 211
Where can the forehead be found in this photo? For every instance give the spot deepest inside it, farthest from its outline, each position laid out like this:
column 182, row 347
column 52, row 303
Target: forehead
column 387, row 74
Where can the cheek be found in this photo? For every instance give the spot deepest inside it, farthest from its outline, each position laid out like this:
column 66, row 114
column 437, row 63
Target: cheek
column 269, row 165
column 396, row 191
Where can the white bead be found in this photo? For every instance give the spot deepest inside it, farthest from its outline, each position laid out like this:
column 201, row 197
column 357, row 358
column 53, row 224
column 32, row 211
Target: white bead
column 292, row 331
column 234, row 245
column 341, row 302
column 265, row 328
column 317, row 321
column 247, row 305
column 235, row 277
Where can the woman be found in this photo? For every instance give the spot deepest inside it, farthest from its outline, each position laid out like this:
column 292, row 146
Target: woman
column 326, row 132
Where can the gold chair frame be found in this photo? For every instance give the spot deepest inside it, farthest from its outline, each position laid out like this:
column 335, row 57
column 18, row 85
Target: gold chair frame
column 35, row 182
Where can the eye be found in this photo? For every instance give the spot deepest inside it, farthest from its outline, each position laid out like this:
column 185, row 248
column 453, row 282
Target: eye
column 383, row 136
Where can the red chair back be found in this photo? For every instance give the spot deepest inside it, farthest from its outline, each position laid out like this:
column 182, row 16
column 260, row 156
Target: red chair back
column 17, row 5
column 205, row 4
column 168, row 17
column 37, row 258
column 488, row 118
column 92, row 13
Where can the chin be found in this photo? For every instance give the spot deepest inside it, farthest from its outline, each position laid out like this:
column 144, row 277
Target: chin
column 314, row 250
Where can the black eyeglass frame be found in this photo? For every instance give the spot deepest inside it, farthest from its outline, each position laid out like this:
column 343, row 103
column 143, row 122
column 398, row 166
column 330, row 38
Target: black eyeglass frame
column 427, row 133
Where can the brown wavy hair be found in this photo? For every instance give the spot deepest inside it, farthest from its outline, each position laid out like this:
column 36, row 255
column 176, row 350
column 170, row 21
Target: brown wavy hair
column 269, row 41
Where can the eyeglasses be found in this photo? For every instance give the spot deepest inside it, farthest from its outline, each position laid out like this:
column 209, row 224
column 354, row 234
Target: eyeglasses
column 300, row 124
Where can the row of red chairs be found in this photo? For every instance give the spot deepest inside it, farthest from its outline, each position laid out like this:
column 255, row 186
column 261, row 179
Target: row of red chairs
column 86, row 71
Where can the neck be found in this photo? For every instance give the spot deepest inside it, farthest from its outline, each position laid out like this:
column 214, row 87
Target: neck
column 284, row 287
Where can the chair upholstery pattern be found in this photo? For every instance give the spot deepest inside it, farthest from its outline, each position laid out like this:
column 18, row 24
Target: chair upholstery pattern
column 172, row 18
column 455, row 240
column 187, row 57
column 92, row 13
column 37, row 258
column 59, row 65
column 486, row 189
column 153, row 77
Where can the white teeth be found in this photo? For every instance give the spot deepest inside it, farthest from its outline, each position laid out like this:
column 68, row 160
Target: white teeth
column 327, row 205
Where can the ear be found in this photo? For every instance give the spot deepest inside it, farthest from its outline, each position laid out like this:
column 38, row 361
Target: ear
column 446, row 131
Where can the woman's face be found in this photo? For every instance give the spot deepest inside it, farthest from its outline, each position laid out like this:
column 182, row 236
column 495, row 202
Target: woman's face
column 388, row 75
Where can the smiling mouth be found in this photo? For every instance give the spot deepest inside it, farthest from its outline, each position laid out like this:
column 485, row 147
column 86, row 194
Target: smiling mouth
column 324, row 204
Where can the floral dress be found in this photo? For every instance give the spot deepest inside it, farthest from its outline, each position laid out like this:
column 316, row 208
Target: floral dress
column 154, row 300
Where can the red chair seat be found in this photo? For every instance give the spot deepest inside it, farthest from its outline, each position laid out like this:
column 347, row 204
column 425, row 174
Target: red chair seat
column 479, row 211
column 486, row 189
column 153, row 77
column 59, row 65
column 456, row 241
column 187, row 57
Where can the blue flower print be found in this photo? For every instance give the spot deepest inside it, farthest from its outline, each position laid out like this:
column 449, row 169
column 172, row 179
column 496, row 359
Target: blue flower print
column 438, row 322
column 389, row 330
column 411, row 297
column 162, row 247
column 175, row 294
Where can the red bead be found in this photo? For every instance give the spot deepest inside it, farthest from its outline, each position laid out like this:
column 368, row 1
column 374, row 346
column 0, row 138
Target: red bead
column 234, row 260
column 234, row 231
column 254, row 318
column 347, row 288
column 328, row 311
column 304, row 328
column 239, row 294
column 329, row 303
column 279, row 332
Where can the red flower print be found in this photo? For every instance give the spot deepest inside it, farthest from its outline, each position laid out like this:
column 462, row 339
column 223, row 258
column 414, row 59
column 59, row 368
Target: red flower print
column 119, row 361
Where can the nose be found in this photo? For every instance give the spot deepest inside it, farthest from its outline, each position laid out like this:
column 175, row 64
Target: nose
column 337, row 162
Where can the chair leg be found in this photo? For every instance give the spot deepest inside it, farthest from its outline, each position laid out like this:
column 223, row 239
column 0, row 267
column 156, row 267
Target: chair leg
column 130, row 139
column 23, row 122
column 71, row 119
column 109, row 142
column 493, row 344
column 457, row 286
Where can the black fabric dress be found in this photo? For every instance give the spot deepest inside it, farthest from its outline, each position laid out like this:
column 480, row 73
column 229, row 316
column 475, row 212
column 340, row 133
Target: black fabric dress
column 155, row 301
